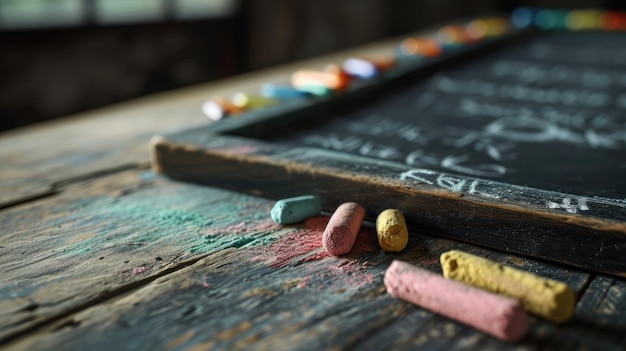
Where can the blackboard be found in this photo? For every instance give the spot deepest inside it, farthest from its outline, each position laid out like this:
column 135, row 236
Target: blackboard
column 547, row 113
column 517, row 144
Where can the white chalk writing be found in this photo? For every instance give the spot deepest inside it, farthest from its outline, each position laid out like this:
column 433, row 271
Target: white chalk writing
column 548, row 74
column 519, row 92
column 381, row 126
column 449, row 182
column 495, row 190
column 353, row 144
column 570, row 205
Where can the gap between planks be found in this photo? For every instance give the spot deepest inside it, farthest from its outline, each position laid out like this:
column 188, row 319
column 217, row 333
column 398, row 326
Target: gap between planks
column 59, row 186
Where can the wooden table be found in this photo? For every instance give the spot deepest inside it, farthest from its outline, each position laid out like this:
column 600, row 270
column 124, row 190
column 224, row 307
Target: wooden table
column 98, row 252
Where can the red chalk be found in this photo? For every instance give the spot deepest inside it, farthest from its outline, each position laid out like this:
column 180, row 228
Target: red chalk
column 343, row 228
column 500, row 316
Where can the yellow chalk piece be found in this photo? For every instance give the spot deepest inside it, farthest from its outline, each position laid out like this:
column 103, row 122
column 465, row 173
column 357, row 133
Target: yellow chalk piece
column 544, row 297
column 583, row 20
column 392, row 232
column 486, row 27
column 246, row 101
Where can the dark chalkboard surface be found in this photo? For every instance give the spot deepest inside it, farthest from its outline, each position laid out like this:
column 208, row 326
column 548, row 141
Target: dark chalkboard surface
column 517, row 144
column 548, row 113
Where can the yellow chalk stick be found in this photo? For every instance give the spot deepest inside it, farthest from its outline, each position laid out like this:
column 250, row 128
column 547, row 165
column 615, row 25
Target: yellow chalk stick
column 392, row 232
column 544, row 297
column 246, row 101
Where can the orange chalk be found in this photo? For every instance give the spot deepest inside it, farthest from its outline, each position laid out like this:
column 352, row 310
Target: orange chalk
column 218, row 108
column 421, row 47
column 383, row 64
column 613, row 21
column 477, row 29
column 454, row 35
column 487, row 27
column 333, row 77
column 341, row 77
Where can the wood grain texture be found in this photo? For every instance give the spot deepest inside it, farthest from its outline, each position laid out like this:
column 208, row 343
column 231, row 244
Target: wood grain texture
column 104, row 236
column 238, row 298
column 80, row 267
column 599, row 322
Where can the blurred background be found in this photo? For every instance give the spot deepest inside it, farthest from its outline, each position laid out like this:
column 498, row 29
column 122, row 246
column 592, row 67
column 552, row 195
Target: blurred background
column 59, row 57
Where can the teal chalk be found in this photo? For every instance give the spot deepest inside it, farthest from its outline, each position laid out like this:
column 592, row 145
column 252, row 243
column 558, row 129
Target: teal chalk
column 296, row 209
column 282, row 92
column 315, row 89
column 551, row 19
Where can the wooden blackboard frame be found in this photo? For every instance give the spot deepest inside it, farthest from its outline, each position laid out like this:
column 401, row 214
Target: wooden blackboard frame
column 586, row 232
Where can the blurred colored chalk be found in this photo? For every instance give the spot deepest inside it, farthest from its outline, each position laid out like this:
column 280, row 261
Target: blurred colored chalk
column 366, row 68
column 315, row 89
column 583, row 20
column 341, row 79
column 246, row 101
column 296, row 209
column 333, row 78
column 360, row 68
column 282, row 92
column 486, row 28
column 545, row 297
column 523, row 17
column 420, row 47
column 613, row 21
column 453, row 36
column 343, row 228
column 550, row 19
column 477, row 29
column 218, row 108
column 500, row 316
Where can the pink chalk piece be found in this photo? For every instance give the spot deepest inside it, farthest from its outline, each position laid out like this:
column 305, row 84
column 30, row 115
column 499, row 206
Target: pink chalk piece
column 343, row 228
column 500, row 316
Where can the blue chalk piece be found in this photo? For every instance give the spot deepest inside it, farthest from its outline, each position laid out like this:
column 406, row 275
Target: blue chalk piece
column 522, row 17
column 296, row 209
column 282, row 92
column 360, row 68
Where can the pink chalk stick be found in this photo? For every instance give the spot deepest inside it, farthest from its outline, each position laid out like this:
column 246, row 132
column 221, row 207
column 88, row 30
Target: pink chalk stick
column 343, row 228
column 500, row 316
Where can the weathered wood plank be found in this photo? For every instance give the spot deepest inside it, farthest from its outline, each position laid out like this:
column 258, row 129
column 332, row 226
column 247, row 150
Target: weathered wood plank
column 600, row 321
column 35, row 159
column 103, row 236
column 284, row 294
